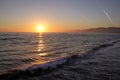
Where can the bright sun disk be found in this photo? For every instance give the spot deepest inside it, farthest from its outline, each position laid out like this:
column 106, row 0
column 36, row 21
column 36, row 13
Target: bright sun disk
column 40, row 28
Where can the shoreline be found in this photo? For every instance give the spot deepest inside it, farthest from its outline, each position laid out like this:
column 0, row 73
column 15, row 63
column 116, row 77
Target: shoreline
column 56, row 65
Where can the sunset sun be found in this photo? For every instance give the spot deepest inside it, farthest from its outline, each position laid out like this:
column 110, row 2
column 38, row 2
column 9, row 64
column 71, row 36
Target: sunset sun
column 40, row 28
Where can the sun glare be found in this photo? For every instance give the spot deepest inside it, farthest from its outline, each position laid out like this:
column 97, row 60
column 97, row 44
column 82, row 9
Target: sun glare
column 40, row 28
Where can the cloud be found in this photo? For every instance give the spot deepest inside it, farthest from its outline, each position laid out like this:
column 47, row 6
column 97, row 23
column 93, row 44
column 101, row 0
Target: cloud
column 108, row 16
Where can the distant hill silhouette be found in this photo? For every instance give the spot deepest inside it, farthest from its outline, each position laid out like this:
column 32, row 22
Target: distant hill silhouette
column 101, row 30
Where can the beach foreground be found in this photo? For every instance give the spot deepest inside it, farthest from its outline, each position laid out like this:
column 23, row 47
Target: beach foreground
column 102, row 63
column 59, row 56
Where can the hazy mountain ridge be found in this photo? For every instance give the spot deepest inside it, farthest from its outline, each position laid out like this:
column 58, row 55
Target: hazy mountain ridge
column 101, row 29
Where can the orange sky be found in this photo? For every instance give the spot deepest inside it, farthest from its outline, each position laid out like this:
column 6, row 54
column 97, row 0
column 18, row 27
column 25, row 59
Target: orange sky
column 33, row 29
column 58, row 15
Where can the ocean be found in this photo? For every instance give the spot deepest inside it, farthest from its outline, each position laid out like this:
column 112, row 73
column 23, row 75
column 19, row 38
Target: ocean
column 29, row 51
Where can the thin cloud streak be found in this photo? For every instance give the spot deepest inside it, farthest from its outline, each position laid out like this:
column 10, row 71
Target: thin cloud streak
column 108, row 16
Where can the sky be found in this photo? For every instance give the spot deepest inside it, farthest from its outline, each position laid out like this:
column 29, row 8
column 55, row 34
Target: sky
column 58, row 15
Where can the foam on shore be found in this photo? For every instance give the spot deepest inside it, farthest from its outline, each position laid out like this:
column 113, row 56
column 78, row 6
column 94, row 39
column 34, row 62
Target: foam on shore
column 49, row 66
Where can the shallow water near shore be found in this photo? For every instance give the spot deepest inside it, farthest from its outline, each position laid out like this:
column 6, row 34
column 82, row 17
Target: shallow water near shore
column 21, row 51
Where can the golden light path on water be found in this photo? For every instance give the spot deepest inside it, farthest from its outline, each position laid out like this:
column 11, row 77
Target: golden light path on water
column 40, row 58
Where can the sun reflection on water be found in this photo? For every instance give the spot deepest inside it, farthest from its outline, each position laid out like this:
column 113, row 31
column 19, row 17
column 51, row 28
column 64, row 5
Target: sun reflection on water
column 39, row 57
column 40, row 43
column 41, row 46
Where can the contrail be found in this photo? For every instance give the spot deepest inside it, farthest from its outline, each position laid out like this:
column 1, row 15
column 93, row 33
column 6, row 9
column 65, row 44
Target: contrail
column 108, row 16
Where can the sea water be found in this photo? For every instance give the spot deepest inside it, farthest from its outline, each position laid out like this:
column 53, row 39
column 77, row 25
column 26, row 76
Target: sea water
column 23, row 50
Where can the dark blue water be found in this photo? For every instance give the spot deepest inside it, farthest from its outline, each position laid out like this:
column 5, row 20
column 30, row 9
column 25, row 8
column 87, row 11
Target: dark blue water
column 22, row 50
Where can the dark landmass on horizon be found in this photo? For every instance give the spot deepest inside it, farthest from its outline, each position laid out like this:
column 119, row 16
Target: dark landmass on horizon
column 100, row 30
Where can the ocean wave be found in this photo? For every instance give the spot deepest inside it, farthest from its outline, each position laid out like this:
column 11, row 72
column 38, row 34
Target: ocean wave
column 50, row 66
column 93, row 50
column 17, row 38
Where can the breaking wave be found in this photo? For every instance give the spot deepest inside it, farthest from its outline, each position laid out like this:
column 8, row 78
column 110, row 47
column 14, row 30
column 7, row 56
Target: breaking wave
column 50, row 66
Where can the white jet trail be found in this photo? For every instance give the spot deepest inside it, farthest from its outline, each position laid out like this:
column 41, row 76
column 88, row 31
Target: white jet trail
column 108, row 16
